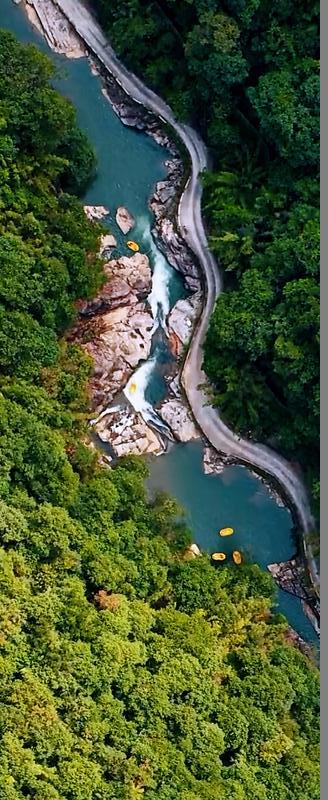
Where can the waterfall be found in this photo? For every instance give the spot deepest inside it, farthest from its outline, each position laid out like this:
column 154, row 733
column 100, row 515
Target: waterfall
column 135, row 393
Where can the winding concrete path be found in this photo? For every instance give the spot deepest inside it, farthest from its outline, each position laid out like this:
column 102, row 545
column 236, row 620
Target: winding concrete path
column 191, row 225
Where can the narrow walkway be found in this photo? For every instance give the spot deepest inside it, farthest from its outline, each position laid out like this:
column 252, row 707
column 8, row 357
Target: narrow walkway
column 191, row 224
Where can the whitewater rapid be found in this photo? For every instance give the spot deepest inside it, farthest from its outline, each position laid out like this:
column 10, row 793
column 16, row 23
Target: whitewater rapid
column 135, row 393
column 159, row 302
column 159, row 297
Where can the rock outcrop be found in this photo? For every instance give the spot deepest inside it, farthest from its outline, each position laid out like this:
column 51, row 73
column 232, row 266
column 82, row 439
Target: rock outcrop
column 179, row 419
column 290, row 576
column 107, row 244
column 128, row 434
column 163, row 204
column 128, row 280
column 135, row 270
column 115, row 327
column 183, row 316
column 194, row 549
column 176, row 251
column 213, row 462
column 191, row 552
column 49, row 20
column 124, row 219
column 96, row 212
column 133, row 115
column 116, row 341
column 164, row 199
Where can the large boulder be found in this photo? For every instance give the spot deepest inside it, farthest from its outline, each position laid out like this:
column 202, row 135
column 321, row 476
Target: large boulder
column 96, row 212
column 135, row 270
column 179, row 419
column 177, row 252
column 107, row 243
column 213, row 462
column 116, row 341
column 127, row 281
column 183, row 316
column 128, row 434
column 124, row 219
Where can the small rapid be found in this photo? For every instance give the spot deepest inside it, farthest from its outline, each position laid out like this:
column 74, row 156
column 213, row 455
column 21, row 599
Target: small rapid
column 159, row 297
column 159, row 301
column 135, row 392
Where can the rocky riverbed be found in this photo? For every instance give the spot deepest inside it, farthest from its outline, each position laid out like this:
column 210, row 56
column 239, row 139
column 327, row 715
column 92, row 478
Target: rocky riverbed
column 167, row 237
column 115, row 328
column 127, row 433
column 214, row 463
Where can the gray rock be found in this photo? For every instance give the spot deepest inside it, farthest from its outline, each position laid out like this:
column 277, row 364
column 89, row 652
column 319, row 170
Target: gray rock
column 107, row 243
column 213, row 462
column 96, row 212
column 183, row 317
column 127, row 433
column 176, row 251
column 124, row 219
column 179, row 419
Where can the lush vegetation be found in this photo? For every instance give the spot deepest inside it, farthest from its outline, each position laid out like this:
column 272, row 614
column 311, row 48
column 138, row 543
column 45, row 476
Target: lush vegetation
column 246, row 72
column 127, row 670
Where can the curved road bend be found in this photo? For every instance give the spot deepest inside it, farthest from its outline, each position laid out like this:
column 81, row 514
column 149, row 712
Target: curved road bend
column 190, row 221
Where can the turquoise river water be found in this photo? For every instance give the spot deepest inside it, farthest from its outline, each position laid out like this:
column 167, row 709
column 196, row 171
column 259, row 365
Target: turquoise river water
column 129, row 165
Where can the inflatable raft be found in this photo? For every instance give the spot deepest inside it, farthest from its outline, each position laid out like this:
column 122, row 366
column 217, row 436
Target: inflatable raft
column 133, row 246
column 218, row 556
column 226, row 532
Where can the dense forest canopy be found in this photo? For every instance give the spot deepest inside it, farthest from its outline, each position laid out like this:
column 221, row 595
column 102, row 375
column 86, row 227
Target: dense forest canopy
column 127, row 671
column 246, row 73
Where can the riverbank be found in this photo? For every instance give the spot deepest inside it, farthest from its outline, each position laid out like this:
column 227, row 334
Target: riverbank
column 189, row 216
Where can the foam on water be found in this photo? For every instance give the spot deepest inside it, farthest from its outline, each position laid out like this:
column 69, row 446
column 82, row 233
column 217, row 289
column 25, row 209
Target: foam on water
column 135, row 393
column 159, row 302
column 159, row 297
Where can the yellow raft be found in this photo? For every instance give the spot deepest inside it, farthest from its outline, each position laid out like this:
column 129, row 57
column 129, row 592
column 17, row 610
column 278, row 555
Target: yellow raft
column 237, row 557
column 133, row 388
column 133, row 246
column 218, row 556
column 226, row 532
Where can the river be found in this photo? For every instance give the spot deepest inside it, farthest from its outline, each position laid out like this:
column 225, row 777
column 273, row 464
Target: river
column 129, row 165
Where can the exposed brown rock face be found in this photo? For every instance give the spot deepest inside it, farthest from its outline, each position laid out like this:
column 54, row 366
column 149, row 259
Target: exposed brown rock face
column 116, row 340
column 115, row 327
column 135, row 270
